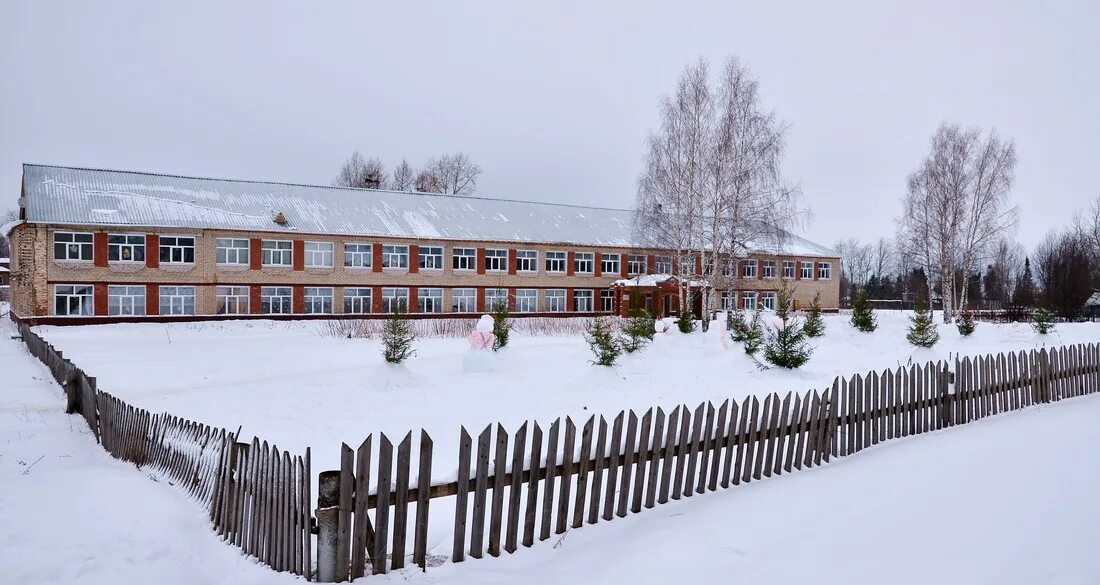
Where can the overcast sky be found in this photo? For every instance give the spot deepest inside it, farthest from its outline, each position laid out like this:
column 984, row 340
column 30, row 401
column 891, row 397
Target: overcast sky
column 553, row 101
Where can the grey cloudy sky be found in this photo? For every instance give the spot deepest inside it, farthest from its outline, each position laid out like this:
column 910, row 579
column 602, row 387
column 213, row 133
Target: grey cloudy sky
column 554, row 100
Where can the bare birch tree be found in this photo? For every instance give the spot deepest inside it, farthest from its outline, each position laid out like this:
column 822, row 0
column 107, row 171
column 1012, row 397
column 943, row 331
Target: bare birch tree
column 404, row 177
column 361, row 173
column 455, row 174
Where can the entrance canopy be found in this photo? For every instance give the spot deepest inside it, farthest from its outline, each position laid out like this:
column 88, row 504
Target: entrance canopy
column 657, row 293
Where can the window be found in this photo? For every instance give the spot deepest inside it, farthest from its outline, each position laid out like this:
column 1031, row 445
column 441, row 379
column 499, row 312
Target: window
column 429, row 300
column 125, row 300
column 318, row 300
column 635, row 264
column 788, row 269
column 769, row 300
column 824, row 270
column 527, row 261
column 319, row 254
column 728, row 268
column 464, row 258
column 177, row 250
column 729, row 300
column 708, row 267
column 663, row 264
column 582, row 301
column 496, row 260
column 769, row 269
column 807, row 270
column 430, row 258
column 687, row 266
column 357, row 301
column 555, row 300
column 527, row 300
column 607, row 300
column 748, row 300
column 177, row 300
column 232, row 300
column 72, row 300
column 609, row 264
column 232, row 251
column 584, row 262
column 555, row 261
column 394, row 256
column 276, row 300
column 748, row 269
column 394, row 299
column 495, row 297
column 464, row 300
column 125, row 248
column 72, row 246
column 276, row 252
column 358, row 256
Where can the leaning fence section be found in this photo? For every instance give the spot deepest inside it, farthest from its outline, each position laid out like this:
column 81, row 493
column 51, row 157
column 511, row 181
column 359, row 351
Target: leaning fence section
column 533, row 483
column 257, row 496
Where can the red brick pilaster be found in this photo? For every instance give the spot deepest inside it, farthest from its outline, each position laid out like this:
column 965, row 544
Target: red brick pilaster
column 414, row 262
column 299, row 256
column 481, row 290
column 570, row 257
column 254, row 295
column 99, row 291
column 797, row 269
column 512, row 261
column 376, row 260
column 512, row 298
column 813, row 269
column 376, row 295
column 569, row 300
column 623, row 270
column 152, row 297
column 152, row 254
column 597, row 265
column 298, row 299
column 255, row 257
column 99, row 251
column 759, row 269
column 413, row 299
column 651, row 264
column 481, row 260
column 699, row 265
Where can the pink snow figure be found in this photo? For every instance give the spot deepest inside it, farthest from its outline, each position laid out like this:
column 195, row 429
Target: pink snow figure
column 479, row 358
column 481, row 340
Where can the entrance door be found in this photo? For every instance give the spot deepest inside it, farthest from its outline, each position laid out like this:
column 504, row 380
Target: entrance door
column 666, row 305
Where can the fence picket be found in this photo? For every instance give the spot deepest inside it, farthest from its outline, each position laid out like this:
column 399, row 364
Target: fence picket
column 584, row 465
column 705, row 448
column 719, row 438
column 613, row 467
column 530, row 513
column 549, row 480
column 382, row 501
column 500, row 469
column 666, row 459
column 516, row 490
column 654, row 462
column 566, row 476
column 731, row 444
column 362, row 536
column 644, row 448
column 749, row 440
column 400, row 501
column 627, row 463
column 597, row 473
column 481, row 475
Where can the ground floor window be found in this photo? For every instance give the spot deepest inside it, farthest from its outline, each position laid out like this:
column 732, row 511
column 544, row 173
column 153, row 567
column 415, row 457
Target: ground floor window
column 495, row 297
column 318, row 300
column 582, row 301
column 748, row 300
column 126, row 300
column 395, row 299
column 232, row 300
column 527, row 300
column 463, row 300
column 729, row 300
column 555, row 300
column 607, row 300
column 357, row 301
column 768, row 300
column 429, row 300
column 177, row 300
column 72, row 300
column 276, row 300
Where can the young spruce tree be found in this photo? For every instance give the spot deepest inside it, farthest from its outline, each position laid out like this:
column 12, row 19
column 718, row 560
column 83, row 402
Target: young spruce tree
column 786, row 346
column 601, row 340
column 863, row 317
column 685, row 321
column 754, row 334
column 966, row 323
column 502, row 326
column 638, row 330
column 922, row 327
column 814, row 325
column 397, row 337
column 1042, row 321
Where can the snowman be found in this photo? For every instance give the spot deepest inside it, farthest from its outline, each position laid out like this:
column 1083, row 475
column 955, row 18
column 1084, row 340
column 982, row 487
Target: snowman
column 479, row 357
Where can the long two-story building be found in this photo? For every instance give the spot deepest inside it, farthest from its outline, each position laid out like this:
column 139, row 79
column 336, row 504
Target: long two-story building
column 99, row 245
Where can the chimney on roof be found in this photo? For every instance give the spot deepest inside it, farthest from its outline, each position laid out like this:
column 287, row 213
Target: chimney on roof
column 280, row 218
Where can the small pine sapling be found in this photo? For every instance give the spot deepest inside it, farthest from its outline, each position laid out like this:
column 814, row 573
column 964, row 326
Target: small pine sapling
column 601, row 340
column 398, row 338
column 1042, row 321
column 922, row 327
column 735, row 324
column 637, row 331
column 966, row 323
column 754, row 334
column 863, row 317
column 502, row 326
column 685, row 322
column 786, row 346
column 814, row 326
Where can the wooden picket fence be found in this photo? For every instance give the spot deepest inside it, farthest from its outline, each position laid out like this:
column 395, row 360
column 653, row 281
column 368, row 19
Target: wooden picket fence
column 257, row 496
column 514, row 489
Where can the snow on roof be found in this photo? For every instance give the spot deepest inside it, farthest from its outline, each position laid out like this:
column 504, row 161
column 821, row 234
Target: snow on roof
column 1094, row 300
column 68, row 195
column 650, row 280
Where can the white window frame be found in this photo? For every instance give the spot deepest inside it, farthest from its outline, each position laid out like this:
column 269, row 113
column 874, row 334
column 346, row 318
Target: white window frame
column 788, row 269
column 358, row 255
column 319, row 254
column 464, row 300
column 807, row 268
column 556, row 262
column 610, row 263
column 768, row 300
column 748, row 300
column 357, row 303
column 277, row 300
column 318, row 300
column 274, row 252
column 228, row 252
column 729, row 300
column 232, row 300
column 80, row 247
column 176, row 246
column 133, row 242
column 527, row 300
column 429, row 300
column 584, row 263
column 494, row 296
column 398, row 253
column 824, row 270
column 688, row 263
column 429, row 258
column 769, row 269
column 527, row 261
column 607, row 300
column 584, row 300
column 126, row 300
column 662, row 264
column 464, row 259
column 749, row 268
column 177, row 300
column 83, row 294
column 395, row 295
column 636, row 264
column 555, row 300
column 496, row 260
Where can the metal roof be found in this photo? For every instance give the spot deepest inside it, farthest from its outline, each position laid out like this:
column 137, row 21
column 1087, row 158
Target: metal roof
column 69, row 195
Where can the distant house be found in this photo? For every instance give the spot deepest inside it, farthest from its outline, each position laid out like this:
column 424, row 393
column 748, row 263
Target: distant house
column 1092, row 306
column 5, row 271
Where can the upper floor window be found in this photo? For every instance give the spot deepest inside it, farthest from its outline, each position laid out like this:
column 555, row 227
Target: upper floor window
column 177, row 250
column 748, row 269
column 464, row 258
column 319, row 255
column 708, row 267
column 609, row 264
column 807, row 269
column 358, row 256
column 769, row 269
column 527, row 261
column 496, row 260
column 663, row 264
column 555, row 261
column 584, row 262
column 276, row 253
column 72, row 300
column 125, row 300
column 430, row 258
column 72, row 246
column 232, row 251
column 125, row 248
column 635, row 264
column 824, row 270
column 788, row 269
column 687, row 266
column 394, row 256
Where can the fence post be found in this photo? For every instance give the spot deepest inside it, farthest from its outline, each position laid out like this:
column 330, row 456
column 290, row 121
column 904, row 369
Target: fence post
column 1041, row 376
column 947, row 397
column 328, row 524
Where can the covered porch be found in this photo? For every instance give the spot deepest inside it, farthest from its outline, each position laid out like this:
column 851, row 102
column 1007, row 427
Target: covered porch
column 657, row 293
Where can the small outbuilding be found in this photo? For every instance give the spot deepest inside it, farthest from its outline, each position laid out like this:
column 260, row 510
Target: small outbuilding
column 1092, row 306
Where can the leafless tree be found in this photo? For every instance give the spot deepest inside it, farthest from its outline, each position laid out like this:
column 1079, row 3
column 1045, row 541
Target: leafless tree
column 856, row 264
column 455, row 174
column 426, row 182
column 957, row 206
column 361, row 173
column 6, row 217
column 404, row 177
column 882, row 257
